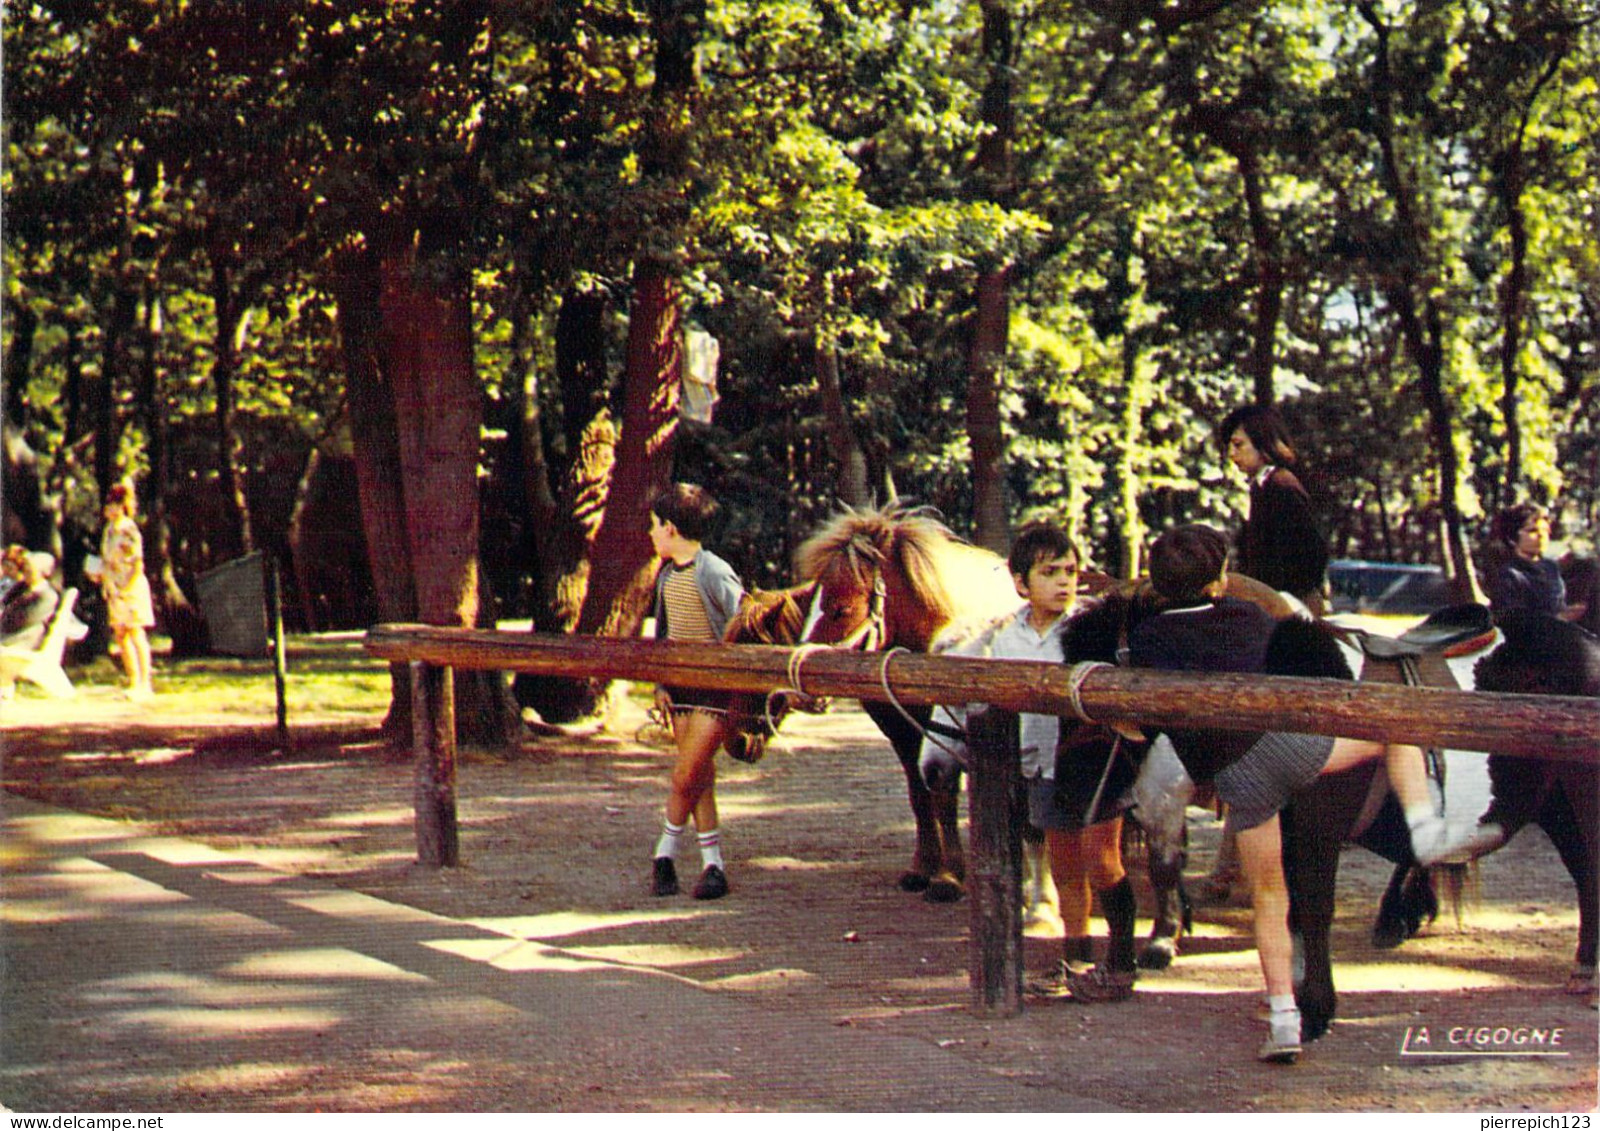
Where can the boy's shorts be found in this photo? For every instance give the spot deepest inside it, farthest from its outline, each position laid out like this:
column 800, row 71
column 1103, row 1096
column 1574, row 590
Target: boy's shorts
column 1267, row 776
column 686, row 699
column 1050, row 808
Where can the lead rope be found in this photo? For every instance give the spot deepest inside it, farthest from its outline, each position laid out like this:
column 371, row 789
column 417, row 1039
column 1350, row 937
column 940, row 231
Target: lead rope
column 797, row 659
column 962, row 759
column 1076, row 677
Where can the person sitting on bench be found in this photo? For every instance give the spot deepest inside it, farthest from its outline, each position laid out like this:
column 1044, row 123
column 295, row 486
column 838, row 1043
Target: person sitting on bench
column 29, row 602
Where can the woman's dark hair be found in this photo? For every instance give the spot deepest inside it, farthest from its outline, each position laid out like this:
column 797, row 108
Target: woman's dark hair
column 1185, row 560
column 689, row 507
column 1508, row 524
column 1266, row 431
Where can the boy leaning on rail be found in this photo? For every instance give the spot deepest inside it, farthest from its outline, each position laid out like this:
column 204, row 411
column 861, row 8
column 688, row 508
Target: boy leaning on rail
column 1257, row 774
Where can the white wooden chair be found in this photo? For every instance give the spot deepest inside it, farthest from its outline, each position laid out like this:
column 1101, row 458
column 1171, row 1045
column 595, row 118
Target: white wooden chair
column 42, row 665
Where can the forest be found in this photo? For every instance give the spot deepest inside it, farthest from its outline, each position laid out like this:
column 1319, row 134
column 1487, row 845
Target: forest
column 426, row 300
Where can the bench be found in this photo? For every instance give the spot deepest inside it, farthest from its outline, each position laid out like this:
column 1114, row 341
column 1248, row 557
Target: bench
column 42, row 665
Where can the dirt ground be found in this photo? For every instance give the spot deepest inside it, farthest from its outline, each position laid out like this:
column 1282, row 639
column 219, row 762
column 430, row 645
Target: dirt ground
column 556, row 838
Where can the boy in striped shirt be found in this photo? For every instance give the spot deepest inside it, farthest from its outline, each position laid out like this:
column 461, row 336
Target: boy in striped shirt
column 696, row 594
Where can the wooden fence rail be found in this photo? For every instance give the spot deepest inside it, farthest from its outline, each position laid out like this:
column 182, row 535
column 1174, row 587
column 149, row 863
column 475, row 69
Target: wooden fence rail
column 1549, row 727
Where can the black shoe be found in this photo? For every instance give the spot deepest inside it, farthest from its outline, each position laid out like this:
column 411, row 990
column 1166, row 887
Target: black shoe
column 713, row 884
column 665, row 880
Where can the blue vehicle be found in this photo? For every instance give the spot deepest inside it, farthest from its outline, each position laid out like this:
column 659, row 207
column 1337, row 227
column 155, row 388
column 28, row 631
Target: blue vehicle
column 1387, row 588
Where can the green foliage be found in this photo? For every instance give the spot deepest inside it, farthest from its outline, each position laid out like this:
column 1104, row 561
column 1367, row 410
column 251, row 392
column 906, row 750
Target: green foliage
column 827, row 195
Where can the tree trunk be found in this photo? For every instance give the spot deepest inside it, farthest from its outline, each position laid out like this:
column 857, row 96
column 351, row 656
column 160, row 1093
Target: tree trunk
column 992, row 317
column 852, row 486
column 176, row 613
column 230, row 476
column 1422, row 328
column 622, row 563
column 1269, row 279
column 989, row 334
column 563, row 527
column 28, row 519
column 425, row 344
column 376, row 449
column 1131, row 528
column 591, row 442
column 114, row 363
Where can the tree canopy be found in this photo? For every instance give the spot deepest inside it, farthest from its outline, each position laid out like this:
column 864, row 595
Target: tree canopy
column 250, row 243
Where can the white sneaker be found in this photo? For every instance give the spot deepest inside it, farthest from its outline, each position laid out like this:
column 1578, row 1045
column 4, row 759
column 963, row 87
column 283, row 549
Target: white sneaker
column 1282, row 1045
column 1483, row 839
column 1430, row 840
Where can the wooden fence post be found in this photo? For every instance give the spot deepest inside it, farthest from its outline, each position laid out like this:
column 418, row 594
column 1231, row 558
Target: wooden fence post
column 433, row 737
column 994, row 881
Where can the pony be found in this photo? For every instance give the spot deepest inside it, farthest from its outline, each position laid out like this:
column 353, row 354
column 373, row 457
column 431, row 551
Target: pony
column 1542, row 655
column 878, row 580
column 1549, row 657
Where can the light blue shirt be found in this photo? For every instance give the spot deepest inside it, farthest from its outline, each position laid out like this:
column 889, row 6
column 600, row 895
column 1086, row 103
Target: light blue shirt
column 1016, row 639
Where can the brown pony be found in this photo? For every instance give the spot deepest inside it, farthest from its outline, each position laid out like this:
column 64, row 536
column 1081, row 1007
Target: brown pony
column 876, row 580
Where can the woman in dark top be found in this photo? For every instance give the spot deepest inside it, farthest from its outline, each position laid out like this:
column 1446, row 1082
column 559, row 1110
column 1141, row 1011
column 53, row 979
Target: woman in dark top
column 1280, row 544
column 1521, row 577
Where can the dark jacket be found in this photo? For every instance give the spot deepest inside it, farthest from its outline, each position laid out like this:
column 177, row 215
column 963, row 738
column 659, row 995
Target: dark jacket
column 1227, row 635
column 1280, row 544
column 1520, row 584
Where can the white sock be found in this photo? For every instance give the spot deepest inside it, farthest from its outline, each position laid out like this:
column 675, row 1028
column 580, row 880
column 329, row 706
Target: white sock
column 1421, row 814
column 1283, row 1018
column 671, row 836
column 711, row 848
column 1428, row 834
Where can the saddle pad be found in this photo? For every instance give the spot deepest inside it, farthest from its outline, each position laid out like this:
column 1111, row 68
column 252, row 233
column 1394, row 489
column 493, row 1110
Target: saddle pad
column 1446, row 631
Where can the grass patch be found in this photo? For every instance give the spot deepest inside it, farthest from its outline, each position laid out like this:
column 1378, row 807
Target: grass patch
column 327, row 675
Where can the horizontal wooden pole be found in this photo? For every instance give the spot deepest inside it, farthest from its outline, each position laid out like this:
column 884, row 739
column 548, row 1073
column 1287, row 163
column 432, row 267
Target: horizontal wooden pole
column 1564, row 728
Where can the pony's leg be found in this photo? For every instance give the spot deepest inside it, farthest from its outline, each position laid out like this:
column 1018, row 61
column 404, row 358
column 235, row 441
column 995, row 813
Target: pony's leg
column 937, row 866
column 1162, row 794
column 1568, row 816
column 1407, row 903
column 1314, row 826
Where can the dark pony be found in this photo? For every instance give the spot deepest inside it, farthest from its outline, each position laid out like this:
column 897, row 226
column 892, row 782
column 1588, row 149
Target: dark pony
column 1545, row 656
column 877, row 580
column 1548, row 657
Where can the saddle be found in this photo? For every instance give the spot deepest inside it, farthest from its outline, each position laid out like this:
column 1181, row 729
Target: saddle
column 1454, row 631
column 1417, row 658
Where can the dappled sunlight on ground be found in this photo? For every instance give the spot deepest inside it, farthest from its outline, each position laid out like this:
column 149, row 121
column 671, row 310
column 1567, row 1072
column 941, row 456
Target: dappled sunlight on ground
column 330, row 969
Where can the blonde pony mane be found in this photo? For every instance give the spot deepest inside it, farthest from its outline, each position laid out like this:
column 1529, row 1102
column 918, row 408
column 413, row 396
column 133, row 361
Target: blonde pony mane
column 933, row 560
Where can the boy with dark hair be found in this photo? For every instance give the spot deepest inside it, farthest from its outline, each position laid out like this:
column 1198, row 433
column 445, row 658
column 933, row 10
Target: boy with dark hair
column 1044, row 564
column 696, row 595
column 1258, row 774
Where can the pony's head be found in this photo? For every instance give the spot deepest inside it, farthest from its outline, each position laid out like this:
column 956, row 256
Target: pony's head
column 765, row 616
column 883, row 578
column 1541, row 655
column 770, row 616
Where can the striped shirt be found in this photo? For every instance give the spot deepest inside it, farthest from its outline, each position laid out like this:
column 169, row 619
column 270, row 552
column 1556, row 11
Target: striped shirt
column 686, row 612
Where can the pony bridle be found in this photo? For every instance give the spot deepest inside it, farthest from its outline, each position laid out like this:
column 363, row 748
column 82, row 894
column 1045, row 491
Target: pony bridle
column 870, row 634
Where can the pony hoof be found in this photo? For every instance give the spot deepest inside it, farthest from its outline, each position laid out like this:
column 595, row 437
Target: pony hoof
column 945, row 889
column 1158, row 955
column 1314, row 1026
column 914, row 882
column 1581, row 981
column 1387, row 936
